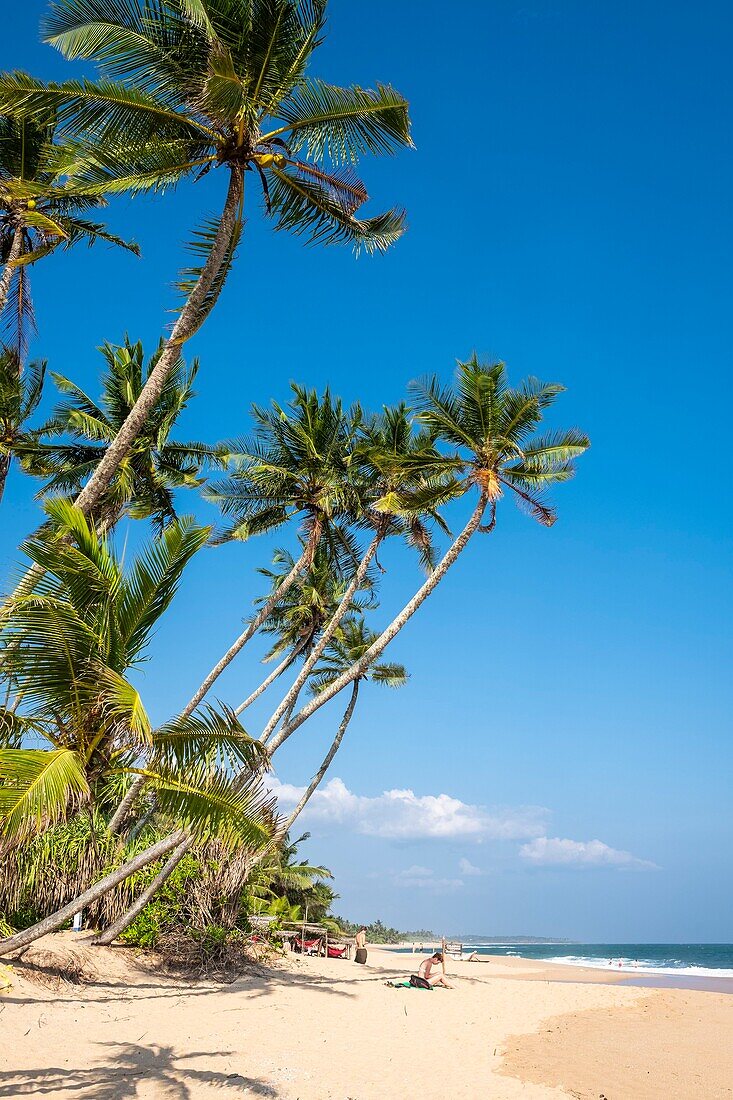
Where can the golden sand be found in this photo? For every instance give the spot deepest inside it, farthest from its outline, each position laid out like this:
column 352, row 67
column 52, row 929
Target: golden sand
column 317, row 1029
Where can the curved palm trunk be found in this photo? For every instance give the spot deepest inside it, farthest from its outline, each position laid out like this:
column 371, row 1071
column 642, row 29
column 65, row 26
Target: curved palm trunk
column 359, row 667
column 119, row 817
column 327, row 760
column 139, row 904
column 315, row 782
column 53, row 922
column 302, row 563
column 9, row 270
column 286, row 718
column 191, row 317
column 276, row 672
column 328, row 633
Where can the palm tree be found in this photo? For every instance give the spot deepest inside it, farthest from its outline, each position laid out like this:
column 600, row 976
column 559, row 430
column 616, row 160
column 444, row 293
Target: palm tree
column 297, row 465
column 67, row 652
column 197, row 85
column 303, row 610
column 403, row 480
column 286, row 887
column 492, row 426
column 19, row 398
column 37, row 214
column 145, row 482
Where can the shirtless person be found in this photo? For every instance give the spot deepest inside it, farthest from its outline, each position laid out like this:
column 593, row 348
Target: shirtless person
column 361, row 947
column 425, row 973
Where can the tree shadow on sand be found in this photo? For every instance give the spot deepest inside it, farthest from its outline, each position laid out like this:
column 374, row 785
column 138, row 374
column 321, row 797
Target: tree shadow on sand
column 127, row 1067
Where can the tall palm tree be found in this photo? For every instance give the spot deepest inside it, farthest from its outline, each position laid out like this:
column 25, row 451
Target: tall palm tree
column 37, row 214
column 493, row 427
column 145, row 482
column 20, row 395
column 404, row 480
column 297, row 465
column 198, row 85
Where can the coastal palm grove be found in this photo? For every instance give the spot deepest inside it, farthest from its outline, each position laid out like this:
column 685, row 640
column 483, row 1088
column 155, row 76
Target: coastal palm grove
column 161, row 832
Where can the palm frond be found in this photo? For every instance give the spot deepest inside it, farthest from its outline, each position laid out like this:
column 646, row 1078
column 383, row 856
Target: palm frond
column 343, row 124
column 308, row 207
column 37, row 787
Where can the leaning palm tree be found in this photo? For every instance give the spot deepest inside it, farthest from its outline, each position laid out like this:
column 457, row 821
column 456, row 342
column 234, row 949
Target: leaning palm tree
column 20, row 395
column 296, row 465
column 492, row 428
column 38, row 214
column 156, row 466
column 403, row 481
column 193, row 86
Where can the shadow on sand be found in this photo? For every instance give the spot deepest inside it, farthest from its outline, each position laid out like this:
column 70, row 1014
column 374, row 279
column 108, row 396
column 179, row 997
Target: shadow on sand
column 128, row 1066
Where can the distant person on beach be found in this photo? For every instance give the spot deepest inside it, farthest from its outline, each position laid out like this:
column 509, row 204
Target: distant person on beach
column 425, row 979
column 361, row 947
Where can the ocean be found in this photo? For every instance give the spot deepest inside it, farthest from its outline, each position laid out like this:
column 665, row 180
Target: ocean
column 693, row 961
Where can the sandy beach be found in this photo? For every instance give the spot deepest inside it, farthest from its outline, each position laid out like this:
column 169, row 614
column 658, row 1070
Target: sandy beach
column 316, row 1029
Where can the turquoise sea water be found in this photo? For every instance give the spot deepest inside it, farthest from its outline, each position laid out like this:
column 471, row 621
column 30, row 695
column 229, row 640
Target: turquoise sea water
column 703, row 960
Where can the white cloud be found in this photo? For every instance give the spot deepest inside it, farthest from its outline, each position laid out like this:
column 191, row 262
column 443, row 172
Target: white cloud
column 423, row 878
column 467, row 868
column 403, row 815
column 553, row 851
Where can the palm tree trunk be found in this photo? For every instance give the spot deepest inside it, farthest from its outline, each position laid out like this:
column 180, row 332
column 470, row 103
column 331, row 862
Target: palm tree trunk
column 286, row 718
column 191, row 317
column 9, row 270
column 53, row 922
column 282, row 667
column 4, row 469
column 328, row 633
column 327, row 760
column 315, row 782
column 139, row 904
column 359, row 667
column 120, row 815
column 302, row 563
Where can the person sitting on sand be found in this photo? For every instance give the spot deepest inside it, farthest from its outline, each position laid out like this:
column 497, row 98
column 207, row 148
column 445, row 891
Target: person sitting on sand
column 425, row 979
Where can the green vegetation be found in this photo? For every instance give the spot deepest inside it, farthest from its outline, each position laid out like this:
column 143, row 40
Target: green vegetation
column 163, row 833
column 377, row 932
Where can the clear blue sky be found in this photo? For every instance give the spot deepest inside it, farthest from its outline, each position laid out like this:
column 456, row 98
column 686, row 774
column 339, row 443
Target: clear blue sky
column 569, row 207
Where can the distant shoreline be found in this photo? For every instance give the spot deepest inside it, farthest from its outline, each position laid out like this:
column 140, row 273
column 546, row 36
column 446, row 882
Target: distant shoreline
column 626, row 972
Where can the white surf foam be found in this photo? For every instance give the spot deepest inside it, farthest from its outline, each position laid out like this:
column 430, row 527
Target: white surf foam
column 644, row 966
